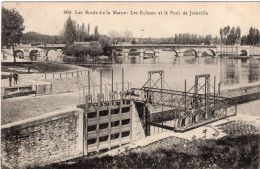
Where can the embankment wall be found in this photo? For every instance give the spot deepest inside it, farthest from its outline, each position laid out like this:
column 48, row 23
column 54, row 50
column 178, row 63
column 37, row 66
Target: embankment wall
column 50, row 138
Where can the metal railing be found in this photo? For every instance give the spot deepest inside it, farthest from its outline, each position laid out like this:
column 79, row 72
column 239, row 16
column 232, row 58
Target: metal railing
column 105, row 89
column 207, row 107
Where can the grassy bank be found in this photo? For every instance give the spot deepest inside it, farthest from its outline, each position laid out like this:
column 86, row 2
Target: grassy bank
column 229, row 152
column 39, row 66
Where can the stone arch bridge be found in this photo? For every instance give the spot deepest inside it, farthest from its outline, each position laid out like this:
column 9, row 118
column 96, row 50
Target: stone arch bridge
column 179, row 50
column 33, row 52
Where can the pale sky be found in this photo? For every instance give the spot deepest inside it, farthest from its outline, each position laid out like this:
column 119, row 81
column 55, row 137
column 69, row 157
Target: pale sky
column 49, row 18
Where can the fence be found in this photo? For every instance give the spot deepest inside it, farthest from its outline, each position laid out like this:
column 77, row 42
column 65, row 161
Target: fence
column 105, row 89
column 67, row 74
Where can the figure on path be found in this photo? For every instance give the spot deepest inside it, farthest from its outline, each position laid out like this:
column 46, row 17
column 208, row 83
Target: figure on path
column 15, row 76
column 10, row 79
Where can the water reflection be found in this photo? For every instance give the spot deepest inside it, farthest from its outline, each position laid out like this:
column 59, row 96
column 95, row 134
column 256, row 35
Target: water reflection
column 253, row 75
column 230, row 71
column 227, row 71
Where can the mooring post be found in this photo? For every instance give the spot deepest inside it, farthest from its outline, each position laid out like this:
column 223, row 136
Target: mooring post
column 112, row 80
column 219, row 89
column 100, row 81
column 185, row 96
column 122, row 79
column 206, row 104
column 88, row 82
column 214, row 92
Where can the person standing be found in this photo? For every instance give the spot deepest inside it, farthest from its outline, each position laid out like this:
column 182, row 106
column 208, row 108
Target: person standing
column 10, row 79
column 15, row 76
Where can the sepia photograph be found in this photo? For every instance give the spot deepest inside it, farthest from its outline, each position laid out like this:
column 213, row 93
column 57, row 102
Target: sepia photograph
column 145, row 85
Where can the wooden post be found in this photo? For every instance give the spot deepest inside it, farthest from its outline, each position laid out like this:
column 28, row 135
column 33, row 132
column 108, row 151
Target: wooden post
column 122, row 79
column 112, row 80
column 100, row 81
column 88, row 82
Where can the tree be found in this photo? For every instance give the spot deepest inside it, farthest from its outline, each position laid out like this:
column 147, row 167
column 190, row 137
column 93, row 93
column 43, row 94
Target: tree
column 95, row 49
column 96, row 34
column 104, row 41
column 12, row 27
column 88, row 28
column 82, row 34
column 231, row 38
column 238, row 33
column 128, row 34
column 80, row 51
column 115, row 36
column 70, row 32
column 221, row 34
column 133, row 41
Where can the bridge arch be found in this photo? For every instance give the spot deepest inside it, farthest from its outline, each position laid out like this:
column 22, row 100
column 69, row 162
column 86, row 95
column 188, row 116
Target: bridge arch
column 210, row 51
column 243, row 52
column 19, row 53
column 118, row 51
column 134, row 52
column 34, row 54
column 196, row 52
column 175, row 51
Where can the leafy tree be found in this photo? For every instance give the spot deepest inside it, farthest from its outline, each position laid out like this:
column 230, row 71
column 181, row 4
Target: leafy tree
column 12, row 27
column 104, row 41
column 70, row 32
column 80, row 51
column 95, row 49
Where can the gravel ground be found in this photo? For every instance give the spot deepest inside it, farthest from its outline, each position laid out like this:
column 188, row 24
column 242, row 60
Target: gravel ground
column 21, row 108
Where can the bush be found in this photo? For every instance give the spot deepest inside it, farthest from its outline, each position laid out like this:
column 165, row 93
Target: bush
column 78, row 50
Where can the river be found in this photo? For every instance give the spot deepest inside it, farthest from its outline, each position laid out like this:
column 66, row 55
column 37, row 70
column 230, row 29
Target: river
column 227, row 71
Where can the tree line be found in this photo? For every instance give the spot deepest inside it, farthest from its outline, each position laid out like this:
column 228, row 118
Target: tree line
column 37, row 38
column 253, row 37
column 230, row 36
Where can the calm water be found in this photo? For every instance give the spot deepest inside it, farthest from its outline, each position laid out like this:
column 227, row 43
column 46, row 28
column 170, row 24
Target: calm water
column 176, row 70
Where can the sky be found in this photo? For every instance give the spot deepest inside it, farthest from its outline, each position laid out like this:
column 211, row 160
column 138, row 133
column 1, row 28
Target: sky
column 49, row 17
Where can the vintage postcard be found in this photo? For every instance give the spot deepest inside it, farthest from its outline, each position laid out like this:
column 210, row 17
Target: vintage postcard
column 130, row 85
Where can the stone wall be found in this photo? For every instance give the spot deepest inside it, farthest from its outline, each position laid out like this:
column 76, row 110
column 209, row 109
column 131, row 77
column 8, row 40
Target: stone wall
column 54, row 137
